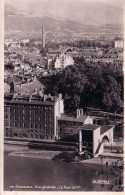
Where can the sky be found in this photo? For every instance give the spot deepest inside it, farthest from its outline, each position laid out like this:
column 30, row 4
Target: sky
column 27, row 2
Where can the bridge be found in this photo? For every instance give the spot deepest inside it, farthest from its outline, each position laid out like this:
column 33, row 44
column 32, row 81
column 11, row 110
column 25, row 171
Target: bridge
column 92, row 138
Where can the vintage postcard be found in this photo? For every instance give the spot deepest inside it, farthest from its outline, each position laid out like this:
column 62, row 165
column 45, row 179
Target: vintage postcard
column 63, row 96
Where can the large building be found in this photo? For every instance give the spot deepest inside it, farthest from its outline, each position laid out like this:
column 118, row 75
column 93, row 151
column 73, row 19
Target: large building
column 32, row 117
column 119, row 43
column 68, row 126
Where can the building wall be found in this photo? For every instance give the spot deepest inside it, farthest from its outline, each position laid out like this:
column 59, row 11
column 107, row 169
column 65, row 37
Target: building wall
column 58, row 109
column 7, row 121
column 119, row 44
column 66, row 128
column 33, row 121
column 30, row 120
column 88, row 120
column 96, row 139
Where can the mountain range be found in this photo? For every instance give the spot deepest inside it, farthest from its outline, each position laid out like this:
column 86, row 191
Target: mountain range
column 22, row 20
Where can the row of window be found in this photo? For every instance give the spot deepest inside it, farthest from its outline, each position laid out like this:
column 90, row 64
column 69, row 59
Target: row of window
column 34, row 106
column 6, row 116
column 35, row 136
column 33, row 112
column 6, row 109
column 19, row 111
column 32, row 125
column 66, row 130
column 67, row 123
column 6, row 124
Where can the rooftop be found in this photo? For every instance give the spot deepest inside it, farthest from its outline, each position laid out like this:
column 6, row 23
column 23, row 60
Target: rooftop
column 91, row 127
column 105, row 128
column 81, row 118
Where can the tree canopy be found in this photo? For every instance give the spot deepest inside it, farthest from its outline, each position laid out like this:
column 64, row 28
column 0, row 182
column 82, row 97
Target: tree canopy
column 84, row 84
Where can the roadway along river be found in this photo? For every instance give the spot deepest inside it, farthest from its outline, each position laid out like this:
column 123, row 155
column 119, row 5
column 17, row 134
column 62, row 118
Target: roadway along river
column 22, row 173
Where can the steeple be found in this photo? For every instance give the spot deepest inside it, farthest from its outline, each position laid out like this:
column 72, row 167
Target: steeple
column 43, row 37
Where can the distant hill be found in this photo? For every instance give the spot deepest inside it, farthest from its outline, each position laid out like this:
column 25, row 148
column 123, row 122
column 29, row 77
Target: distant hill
column 20, row 20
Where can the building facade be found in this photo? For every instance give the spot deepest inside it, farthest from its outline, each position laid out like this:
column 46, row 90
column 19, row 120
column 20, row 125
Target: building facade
column 69, row 126
column 32, row 117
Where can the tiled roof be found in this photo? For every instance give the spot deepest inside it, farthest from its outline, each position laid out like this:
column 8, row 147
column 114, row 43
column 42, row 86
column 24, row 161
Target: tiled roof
column 81, row 118
column 105, row 128
column 29, row 87
column 90, row 127
column 14, row 79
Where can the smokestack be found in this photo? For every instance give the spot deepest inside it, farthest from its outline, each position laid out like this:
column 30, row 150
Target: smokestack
column 78, row 113
column 60, row 95
column 81, row 111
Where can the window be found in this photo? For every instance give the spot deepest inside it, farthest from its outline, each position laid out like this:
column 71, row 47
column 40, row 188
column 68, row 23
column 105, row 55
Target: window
column 35, row 118
column 15, row 111
column 6, row 116
column 35, row 125
column 40, row 126
column 61, row 129
column 46, row 113
column 46, row 119
column 45, row 130
column 24, row 111
column 31, row 111
column 40, row 112
column 31, row 125
column 50, row 119
column 35, row 112
column 51, row 130
column 20, row 117
column 24, row 125
column 5, row 109
column 46, row 124
column 20, row 125
column 6, row 124
column 15, row 117
column 20, row 111
column 15, row 124
column 50, row 125
column 39, row 118
column 46, row 107
column 51, row 114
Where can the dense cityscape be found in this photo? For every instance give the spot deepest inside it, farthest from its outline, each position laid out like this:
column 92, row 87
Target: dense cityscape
column 63, row 102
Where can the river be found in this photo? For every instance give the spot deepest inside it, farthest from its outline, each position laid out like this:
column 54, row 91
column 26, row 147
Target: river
column 22, row 173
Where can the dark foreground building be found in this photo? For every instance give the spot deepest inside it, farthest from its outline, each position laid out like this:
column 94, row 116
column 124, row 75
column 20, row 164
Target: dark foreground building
column 32, row 116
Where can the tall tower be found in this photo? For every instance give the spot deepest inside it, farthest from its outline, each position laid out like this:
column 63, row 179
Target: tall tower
column 43, row 37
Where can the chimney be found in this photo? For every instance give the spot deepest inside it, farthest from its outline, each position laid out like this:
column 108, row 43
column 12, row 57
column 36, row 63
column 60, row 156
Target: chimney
column 78, row 113
column 30, row 98
column 60, row 95
column 81, row 111
column 44, row 98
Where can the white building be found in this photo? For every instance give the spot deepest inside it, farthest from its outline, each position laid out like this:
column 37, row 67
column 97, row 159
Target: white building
column 119, row 44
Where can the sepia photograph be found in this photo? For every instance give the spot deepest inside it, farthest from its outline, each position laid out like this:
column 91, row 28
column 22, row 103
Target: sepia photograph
column 63, row 109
